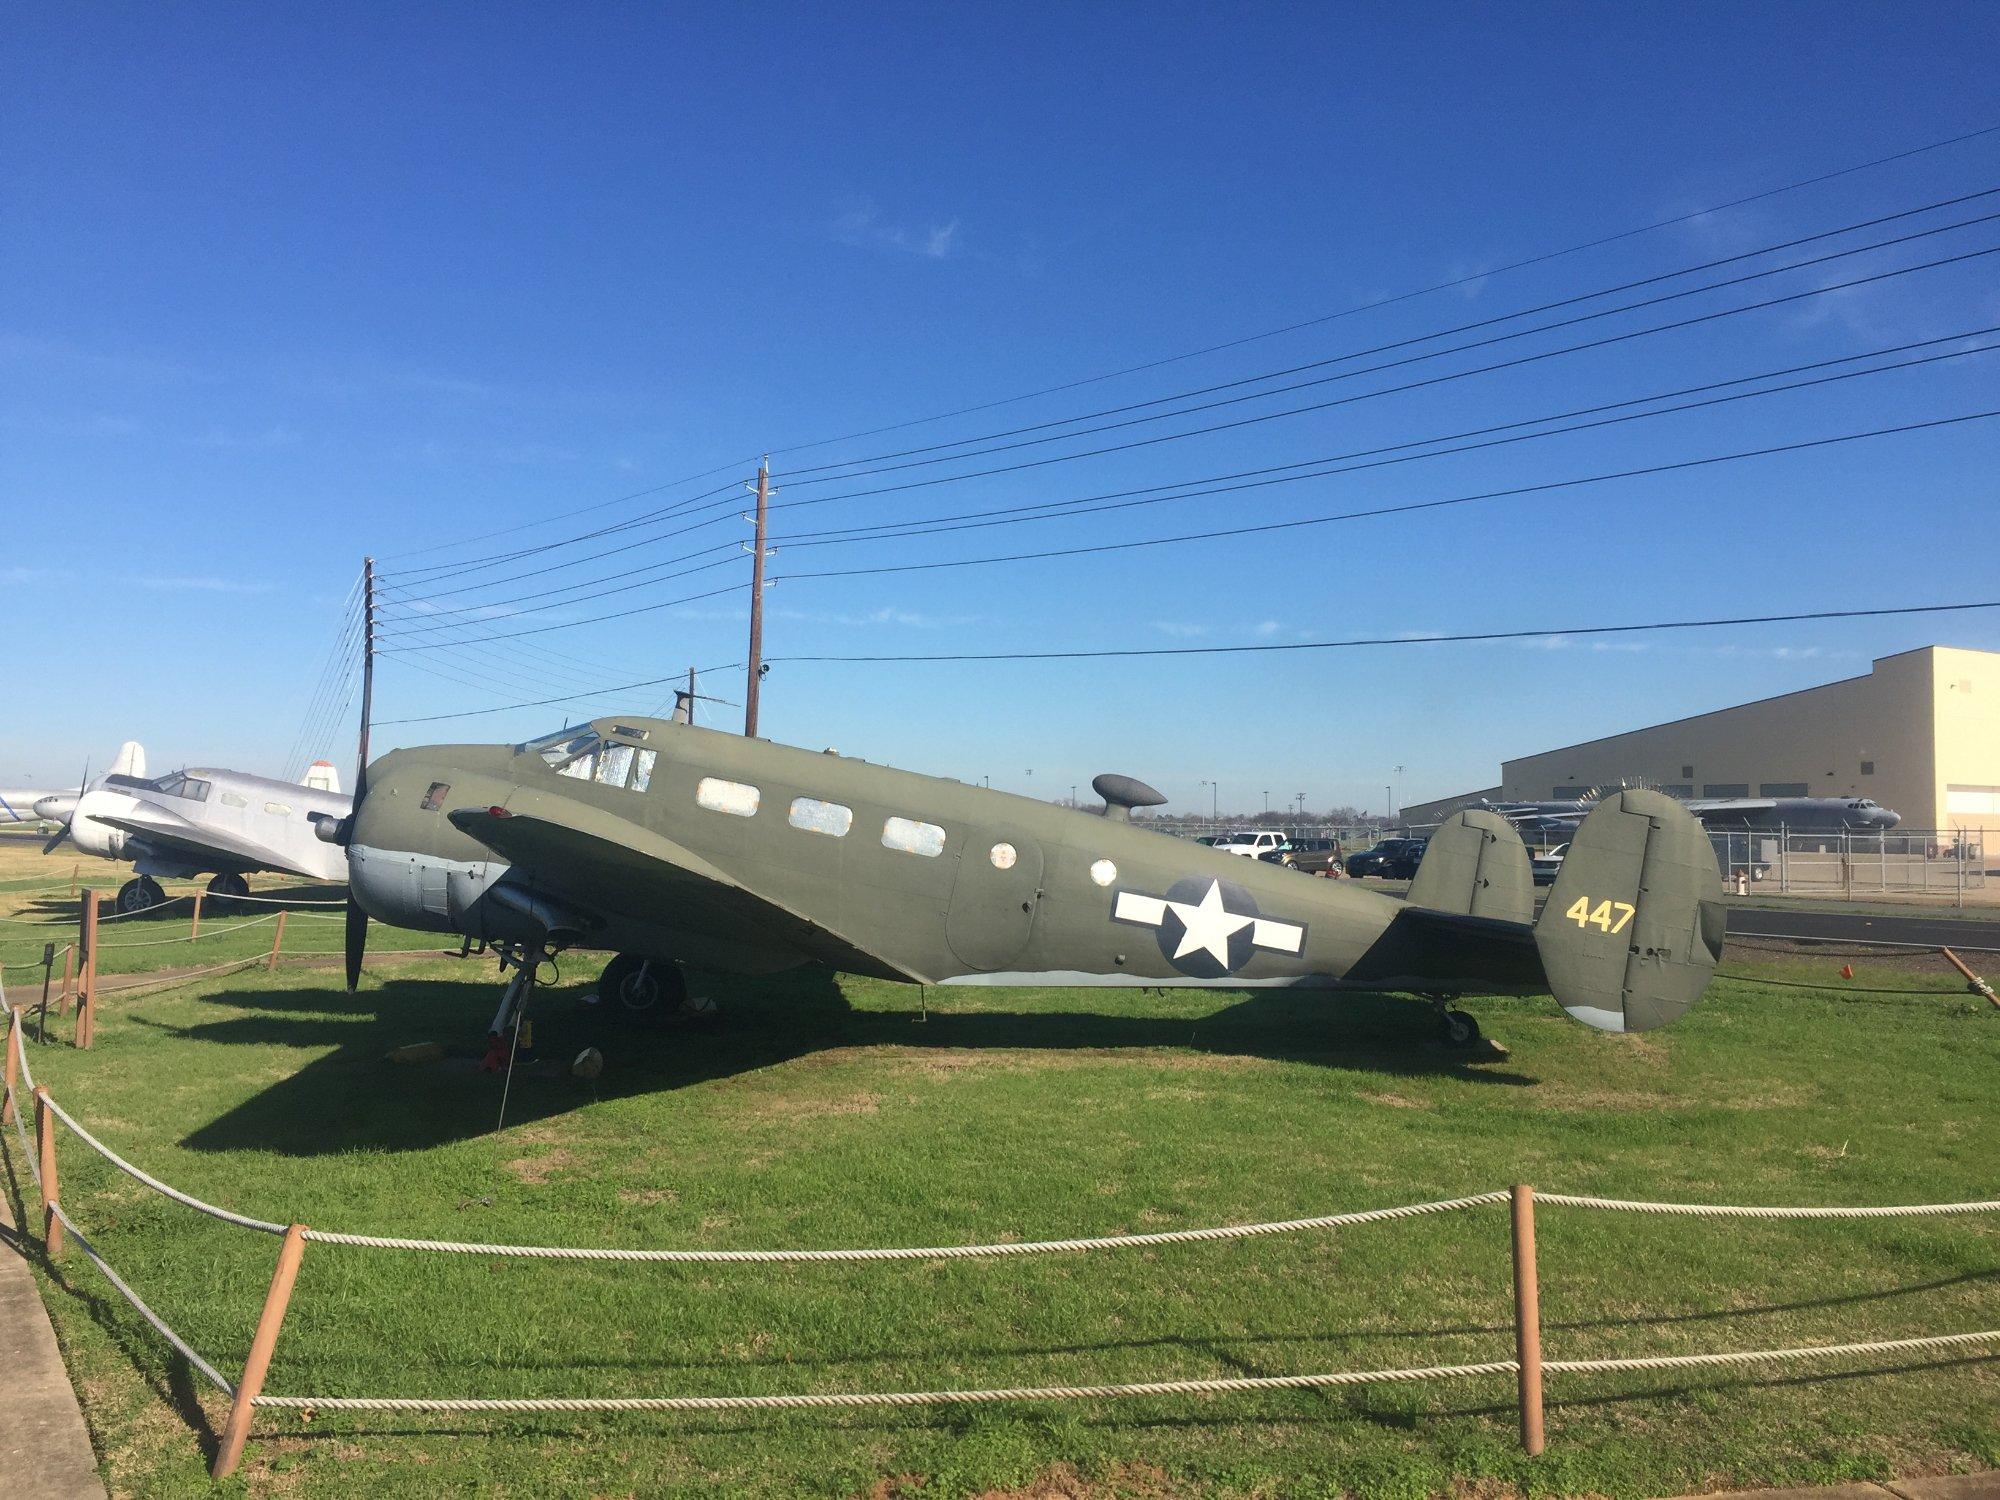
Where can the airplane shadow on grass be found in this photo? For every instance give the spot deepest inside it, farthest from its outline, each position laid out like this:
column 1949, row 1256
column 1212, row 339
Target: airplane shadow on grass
column 355, row 1099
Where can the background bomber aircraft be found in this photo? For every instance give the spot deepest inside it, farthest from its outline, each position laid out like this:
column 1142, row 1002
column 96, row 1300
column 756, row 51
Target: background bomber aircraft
column 665, row 843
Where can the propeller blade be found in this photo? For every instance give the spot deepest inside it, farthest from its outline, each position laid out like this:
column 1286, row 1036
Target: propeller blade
column 357, row 941
column 55, row 840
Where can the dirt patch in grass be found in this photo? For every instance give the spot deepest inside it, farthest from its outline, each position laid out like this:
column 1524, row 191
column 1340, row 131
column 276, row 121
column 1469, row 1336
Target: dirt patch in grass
column 536, row 1170
column 647, row 1197
column 795, row 1107
column 1396, row 1101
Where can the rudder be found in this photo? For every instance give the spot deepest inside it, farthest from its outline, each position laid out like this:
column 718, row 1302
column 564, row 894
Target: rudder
column 1476, row 865
column 1633, row 928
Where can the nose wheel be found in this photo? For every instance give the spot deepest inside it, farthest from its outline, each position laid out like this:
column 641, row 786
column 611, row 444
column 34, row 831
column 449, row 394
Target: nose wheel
column 642, row 991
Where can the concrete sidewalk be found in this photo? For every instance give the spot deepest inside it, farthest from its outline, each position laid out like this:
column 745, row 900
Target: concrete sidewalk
column 1937, row 1487
column 45, row 1449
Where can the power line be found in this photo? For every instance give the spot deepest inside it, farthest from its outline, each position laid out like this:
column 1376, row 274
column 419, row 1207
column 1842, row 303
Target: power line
column 1393, row 510
column 1292, row 473
column 1525, row 359
column 1544, row 633
column 623, row 687
column 1350, row 311
column 637, row 609
column 1498, row 365
column 795, row 477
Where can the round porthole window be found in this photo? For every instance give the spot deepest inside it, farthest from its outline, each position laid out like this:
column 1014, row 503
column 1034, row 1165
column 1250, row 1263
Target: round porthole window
column 1003, row 856
column 1104, row 872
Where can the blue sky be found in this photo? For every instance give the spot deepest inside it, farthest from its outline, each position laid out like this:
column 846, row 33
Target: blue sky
column 285, row 285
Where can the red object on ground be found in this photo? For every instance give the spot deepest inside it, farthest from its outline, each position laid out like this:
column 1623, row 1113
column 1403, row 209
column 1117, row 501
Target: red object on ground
column 496, row 1053
column 1847, row 971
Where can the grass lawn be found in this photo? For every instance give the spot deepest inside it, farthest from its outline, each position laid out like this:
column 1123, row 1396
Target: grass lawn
column 817, row 1111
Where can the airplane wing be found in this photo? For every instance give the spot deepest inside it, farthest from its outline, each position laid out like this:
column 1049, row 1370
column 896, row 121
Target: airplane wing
column 608, row 864
column 211, row 846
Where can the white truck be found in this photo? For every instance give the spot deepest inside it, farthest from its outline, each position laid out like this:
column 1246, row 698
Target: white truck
column 1253, row 843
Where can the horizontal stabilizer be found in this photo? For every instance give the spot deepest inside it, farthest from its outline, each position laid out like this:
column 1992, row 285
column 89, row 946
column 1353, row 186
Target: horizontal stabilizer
column 1476, row 865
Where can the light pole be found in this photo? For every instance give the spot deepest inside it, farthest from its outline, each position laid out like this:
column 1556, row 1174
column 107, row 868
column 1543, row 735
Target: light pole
column 1072, row 794
column 1214, row 803
column 1267, row 803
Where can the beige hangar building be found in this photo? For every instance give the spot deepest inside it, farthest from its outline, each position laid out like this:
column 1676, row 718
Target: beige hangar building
column 1920, row 733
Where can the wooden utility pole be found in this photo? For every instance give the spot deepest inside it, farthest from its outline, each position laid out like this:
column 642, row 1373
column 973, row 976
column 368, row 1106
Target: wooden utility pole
column 756, row 606
column 367, row 669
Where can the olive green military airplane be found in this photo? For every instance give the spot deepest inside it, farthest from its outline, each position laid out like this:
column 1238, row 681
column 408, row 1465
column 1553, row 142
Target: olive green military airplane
column 664, row 843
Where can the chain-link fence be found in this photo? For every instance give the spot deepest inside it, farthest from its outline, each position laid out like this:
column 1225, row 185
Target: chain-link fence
column 1941, row 861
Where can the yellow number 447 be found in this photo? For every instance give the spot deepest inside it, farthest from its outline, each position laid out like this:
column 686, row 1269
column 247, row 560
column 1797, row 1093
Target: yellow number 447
column 1605, row 916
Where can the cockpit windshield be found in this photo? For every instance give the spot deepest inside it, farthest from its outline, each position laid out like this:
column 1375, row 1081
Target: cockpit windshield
column 570, row 752
column 180, row 784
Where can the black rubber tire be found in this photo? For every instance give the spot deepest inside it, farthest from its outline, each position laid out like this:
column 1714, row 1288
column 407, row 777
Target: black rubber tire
column 637, row 991
column 141, row 893
column 223, row 891
column 1457, row 1029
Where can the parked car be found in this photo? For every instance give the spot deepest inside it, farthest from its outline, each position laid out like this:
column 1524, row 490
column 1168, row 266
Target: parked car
column 1548, row 864
column 1313, row 856
column 1253, row 843
column 1392, row 859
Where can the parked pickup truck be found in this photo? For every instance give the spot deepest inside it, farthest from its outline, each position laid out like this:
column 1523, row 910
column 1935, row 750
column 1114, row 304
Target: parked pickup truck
column 1253, row 843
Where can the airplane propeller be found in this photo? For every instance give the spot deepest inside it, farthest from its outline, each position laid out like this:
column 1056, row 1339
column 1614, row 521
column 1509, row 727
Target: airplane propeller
column 82, row 786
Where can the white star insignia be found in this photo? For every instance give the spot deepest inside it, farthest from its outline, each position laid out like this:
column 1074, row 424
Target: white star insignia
column 1209, row 925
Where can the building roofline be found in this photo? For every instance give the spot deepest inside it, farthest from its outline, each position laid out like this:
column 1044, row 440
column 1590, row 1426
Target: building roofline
column 1726, row 708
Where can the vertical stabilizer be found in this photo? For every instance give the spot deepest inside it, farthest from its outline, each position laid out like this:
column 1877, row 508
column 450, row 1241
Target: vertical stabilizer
column 131, row 760
column 322, row 777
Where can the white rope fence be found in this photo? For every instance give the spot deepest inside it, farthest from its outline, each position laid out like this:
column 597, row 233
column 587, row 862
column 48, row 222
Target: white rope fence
column 1528, row 1367
column 930, row 1252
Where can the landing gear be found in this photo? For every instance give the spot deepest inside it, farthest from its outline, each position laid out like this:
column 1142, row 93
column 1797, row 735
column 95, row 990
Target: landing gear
column 226, row 888
column 1458, row 1030
column 641, row 990
column 142, row 893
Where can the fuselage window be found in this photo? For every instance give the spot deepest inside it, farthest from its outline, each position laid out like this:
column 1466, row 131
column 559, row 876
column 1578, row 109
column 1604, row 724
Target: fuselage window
column 197, row 790
column 815, row 816
column 913, row 837
column 434, row 798
column 614, row 764
column 642, row 775
column 281, row 809
column 230, row 799
column 731, row 797
column 580, row 768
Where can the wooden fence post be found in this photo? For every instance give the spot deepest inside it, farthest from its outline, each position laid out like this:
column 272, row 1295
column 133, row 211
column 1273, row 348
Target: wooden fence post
column 277, row 942
column 242, row 1410
column 45, row 1148
column 194, row 932
column 69, row 974
column 7, row 1111
column 1973, row 982
column 1527, row 1318
column 86, row 971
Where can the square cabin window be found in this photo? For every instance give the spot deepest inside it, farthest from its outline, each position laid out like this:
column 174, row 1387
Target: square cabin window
column 731, row 797
column 815, row 816
column 614, row 763
column 434, row 798
column 642, row 774
column 913, row 837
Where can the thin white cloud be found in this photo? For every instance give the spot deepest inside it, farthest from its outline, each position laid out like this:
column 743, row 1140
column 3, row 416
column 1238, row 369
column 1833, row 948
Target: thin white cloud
column 863, row 227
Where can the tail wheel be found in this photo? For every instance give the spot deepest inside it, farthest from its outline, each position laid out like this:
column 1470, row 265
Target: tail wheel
column 140, row 894
column 641, row 990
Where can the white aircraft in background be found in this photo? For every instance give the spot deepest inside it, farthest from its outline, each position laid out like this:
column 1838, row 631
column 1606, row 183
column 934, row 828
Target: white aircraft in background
column 209, row 822
column 55, row 806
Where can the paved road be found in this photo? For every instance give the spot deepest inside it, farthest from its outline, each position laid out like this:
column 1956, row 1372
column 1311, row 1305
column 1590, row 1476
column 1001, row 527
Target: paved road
column 1972, row 936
